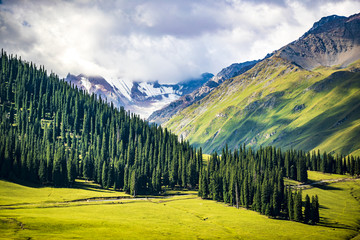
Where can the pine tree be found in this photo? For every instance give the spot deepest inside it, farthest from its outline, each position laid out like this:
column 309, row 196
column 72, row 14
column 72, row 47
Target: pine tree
column 302, row 170
column 86, row 171
column 58, row 170
column 315, row 216
column 203, row 185
column 133, row 183
column 276, row 204
column 71, row 169
column 291, row 205
column 307, row 211
column 42, row 171
column 298, row 207
column 104, row 174
column 257, row 198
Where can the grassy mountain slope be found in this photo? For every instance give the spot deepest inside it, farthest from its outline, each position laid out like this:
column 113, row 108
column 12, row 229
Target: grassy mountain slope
column 278, row 103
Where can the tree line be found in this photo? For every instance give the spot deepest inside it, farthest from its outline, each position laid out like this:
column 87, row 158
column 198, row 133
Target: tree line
column 52, row 132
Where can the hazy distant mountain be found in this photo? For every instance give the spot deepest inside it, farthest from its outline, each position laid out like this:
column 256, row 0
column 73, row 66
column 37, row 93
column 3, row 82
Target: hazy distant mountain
column 306, row 96
column 98, row 85
column 139, row 97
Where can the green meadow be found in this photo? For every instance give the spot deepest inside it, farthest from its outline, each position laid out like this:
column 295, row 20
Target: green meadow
column 89, row 212
column 16, row 194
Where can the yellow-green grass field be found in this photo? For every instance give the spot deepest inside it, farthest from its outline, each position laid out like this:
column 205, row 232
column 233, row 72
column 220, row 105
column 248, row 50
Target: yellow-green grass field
column 318, row 176
column 48, row 213
column 15, row 194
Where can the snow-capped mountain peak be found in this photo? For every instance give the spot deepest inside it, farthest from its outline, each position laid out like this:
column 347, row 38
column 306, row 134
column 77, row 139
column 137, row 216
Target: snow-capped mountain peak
column 142, row 98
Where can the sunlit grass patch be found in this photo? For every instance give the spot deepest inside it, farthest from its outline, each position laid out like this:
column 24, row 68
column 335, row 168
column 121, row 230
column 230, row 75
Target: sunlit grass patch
column 179, row 216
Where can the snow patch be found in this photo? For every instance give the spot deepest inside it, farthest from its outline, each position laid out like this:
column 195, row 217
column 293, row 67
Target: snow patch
column 145, row 112
column 123, row 87
column 150, row 90
column 86, row 83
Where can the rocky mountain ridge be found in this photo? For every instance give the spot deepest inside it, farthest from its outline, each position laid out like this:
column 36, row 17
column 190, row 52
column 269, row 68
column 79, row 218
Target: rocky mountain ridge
column 333, row 40
column 165, row 113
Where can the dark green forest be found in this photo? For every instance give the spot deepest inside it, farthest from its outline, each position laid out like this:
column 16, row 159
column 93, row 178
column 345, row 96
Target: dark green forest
column 52, row 133
column 254, row 179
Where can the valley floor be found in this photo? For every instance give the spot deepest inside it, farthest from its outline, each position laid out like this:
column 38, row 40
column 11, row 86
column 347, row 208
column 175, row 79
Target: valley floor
column 88, row 212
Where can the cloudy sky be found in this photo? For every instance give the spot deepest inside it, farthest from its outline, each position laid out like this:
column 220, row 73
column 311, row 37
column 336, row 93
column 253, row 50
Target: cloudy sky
column 160, row 40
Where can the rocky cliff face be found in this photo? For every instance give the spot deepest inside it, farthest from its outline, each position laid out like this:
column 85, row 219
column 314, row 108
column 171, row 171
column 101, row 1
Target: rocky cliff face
column 333, row 40
column 171, row 109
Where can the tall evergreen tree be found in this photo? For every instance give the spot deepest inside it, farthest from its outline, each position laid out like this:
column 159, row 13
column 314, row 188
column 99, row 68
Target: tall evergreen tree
column 298, row 207
column 307, row 211
column 315, row 216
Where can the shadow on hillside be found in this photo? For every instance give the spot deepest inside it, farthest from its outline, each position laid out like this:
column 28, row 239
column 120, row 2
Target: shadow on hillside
column 24, row 183
column 89, row 186
column 323, row 126
column 326, row 187
column 323, row 207
column 327, row 222
column 177, row 192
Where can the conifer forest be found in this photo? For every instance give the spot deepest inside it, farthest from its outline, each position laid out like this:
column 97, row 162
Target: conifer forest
column 52, row 133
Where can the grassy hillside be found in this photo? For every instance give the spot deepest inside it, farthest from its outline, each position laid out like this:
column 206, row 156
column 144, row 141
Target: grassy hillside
column 278, row 103
column 47, row 216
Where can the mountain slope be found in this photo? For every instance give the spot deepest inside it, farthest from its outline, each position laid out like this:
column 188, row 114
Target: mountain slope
column 165, row 113
column 278, row 102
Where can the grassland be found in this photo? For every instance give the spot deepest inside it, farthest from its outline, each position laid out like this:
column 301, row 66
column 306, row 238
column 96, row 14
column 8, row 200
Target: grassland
column 277, row 103
column 318, row 176
column 30, row 212
column 16, row 194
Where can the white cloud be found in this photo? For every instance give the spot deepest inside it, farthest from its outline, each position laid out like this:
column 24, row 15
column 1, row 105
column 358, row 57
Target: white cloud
column 155, row 40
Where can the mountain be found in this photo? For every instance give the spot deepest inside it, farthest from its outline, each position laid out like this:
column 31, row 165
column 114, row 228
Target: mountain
column 306, row 96
column 99, row 86
column 333, row 40
column 147, row 97
column 139, row 97
column 165, row 113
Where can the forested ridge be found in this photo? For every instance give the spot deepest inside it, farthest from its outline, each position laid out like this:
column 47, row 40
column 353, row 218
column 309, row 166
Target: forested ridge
column 52, row 133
